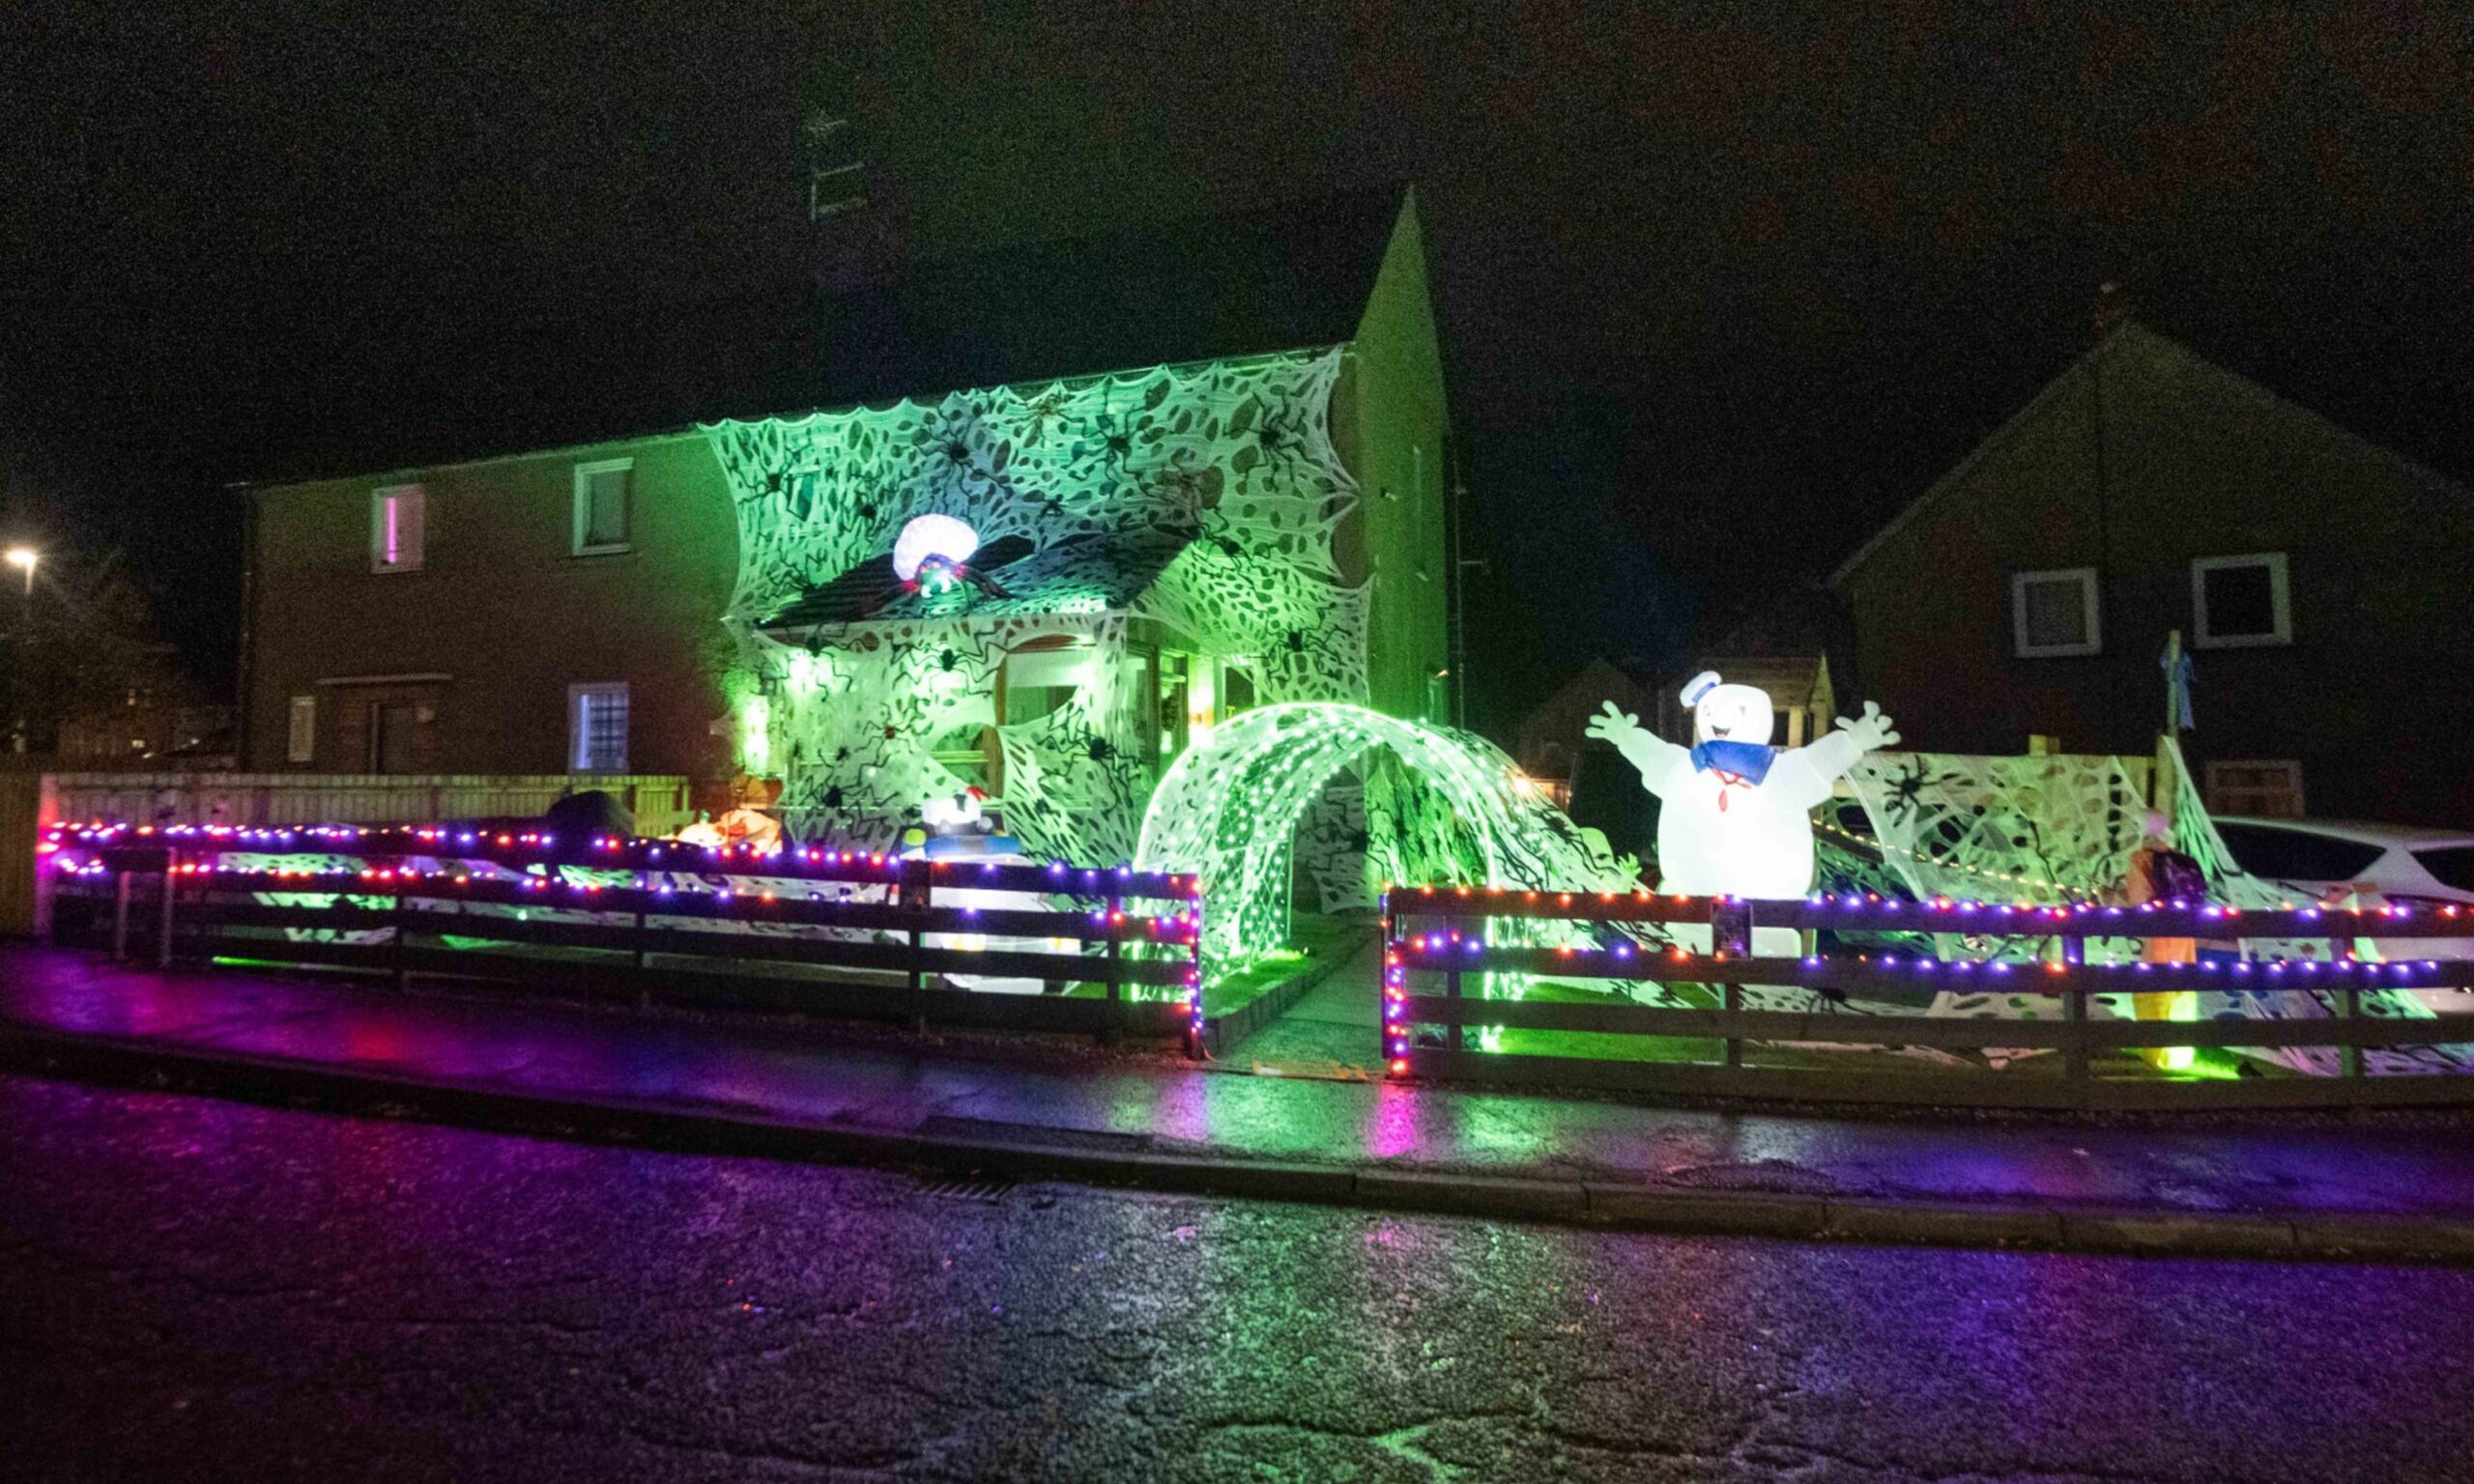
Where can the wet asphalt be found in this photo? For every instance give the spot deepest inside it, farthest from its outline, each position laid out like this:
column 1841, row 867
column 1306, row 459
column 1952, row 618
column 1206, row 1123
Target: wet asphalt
column 572, row 1059
column 198, row 1290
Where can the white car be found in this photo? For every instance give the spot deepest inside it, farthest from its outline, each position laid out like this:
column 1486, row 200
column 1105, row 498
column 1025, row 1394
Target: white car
column 2338, row 863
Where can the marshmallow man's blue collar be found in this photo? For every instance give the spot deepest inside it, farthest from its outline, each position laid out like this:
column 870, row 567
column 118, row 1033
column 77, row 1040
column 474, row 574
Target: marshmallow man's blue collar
column 1747, row 761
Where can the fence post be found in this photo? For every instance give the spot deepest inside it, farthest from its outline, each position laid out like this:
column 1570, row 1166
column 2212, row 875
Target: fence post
column 2073, row 1013
column 916, row 894
column 1117, row 948
column 163, row 932
column 1452, row 993
column 1731, row 933
column 396, row 944
column 1196, row 1051
column 2349, row 1054
column 120, row 914
column 1111, row 968
column 644, row 985
column 1387, row 929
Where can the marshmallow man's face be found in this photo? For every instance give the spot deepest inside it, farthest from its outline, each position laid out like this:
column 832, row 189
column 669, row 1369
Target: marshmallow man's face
column 950, row 811
column 1733, row 713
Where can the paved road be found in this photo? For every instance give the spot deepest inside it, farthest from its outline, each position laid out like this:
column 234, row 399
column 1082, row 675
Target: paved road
column 197, row 1290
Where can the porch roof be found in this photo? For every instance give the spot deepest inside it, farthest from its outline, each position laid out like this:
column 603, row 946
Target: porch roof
column 1094, row 573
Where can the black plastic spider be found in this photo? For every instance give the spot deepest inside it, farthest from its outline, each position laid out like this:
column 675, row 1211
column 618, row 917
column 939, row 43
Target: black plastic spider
column 1907, row 790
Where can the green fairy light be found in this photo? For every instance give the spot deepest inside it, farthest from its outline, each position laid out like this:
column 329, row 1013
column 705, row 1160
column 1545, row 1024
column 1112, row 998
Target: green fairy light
column 1227, row 813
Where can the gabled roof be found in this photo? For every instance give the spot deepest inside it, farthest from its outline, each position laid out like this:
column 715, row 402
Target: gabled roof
column 1793, row 681
column 1085, row 575
column 1200, row 287
column 2125, row 338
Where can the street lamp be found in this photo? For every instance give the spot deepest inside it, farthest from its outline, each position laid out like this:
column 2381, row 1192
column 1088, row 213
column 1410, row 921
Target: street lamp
column 24, row 557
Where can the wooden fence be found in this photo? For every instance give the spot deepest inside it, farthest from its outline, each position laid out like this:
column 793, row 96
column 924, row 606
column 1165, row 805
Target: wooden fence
column 658, row 802
column 1436, row 943
column 823, row 931
column 30, row 802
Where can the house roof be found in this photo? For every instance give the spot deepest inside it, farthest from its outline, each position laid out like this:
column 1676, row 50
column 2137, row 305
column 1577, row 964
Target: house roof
column 2126, row 338
column 1793, row 681
column 1093, row 574
column 1195, row 289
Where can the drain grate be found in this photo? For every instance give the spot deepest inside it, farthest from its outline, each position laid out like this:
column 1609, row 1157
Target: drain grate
column 986, row 1192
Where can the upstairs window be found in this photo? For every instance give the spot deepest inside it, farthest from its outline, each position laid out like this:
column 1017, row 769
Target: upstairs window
column 2238, row 602
column 605, row 492
column 395, row 528
column 2053, row 613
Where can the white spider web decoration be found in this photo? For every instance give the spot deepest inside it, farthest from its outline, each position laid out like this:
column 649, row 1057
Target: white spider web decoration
column 2063, row 829
column 1236, row 453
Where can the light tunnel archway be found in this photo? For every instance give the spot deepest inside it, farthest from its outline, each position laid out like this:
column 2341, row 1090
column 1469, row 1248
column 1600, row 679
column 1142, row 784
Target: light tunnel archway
column 1228, row 806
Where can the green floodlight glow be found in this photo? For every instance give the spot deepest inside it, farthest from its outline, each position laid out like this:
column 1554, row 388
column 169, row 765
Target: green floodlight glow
column 756, row 735
column 1228, row 806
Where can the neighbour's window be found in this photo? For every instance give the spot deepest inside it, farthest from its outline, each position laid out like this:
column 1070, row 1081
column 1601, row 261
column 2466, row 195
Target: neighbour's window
column 604, row 492
column 2054, row 613
column 597, row 727
column 2261, row 788
column 2296, row 855
column 395, row 521
column 2240, row 601
column 301, row 737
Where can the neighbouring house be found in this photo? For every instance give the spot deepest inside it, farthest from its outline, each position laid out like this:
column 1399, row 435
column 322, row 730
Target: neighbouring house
column 1199, row 470
column 1803, row 704
column 1553, row 736
column 2315, row 581
column 152, row 723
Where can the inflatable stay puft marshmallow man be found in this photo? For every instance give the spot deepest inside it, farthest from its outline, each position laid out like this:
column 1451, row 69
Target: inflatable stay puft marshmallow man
column 1734, row 811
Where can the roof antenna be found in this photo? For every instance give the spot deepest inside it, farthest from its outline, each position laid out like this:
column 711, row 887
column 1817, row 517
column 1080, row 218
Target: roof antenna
column 837, row 184
column 2112, row 306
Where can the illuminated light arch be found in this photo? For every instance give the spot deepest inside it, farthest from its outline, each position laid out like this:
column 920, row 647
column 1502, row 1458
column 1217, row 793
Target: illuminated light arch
column 1228, row 806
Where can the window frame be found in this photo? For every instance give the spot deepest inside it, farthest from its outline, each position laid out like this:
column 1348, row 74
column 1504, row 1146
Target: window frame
column 301, row 729
column 2221, row 790
column 414, row 496
column 2280, row 602
column 580, row 508
column 579, row 738
column 2091, row 607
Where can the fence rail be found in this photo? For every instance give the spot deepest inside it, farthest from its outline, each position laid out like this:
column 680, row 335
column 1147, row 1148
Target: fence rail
column 651, row 916
column 1444, row 934
column 33, row 802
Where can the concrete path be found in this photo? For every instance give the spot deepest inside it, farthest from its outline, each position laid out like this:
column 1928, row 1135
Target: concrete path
column 2398, row 1186
column 1332, row 1033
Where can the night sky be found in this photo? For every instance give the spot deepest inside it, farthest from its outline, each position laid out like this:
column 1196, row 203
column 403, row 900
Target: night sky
column 1723, row 286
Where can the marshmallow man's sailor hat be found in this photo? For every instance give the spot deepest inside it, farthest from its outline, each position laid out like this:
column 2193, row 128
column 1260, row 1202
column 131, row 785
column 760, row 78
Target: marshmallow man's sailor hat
column 1698, row 685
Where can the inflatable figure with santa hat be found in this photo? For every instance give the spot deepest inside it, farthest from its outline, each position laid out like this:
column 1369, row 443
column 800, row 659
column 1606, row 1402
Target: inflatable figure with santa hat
column 1734, row 813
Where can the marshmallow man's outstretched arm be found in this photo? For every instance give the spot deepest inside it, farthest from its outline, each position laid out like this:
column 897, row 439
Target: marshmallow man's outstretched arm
column 1807, row 775
column 1655, row 755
